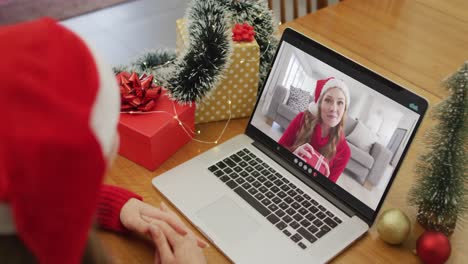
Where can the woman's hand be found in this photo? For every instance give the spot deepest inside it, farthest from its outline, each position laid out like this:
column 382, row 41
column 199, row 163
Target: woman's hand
column 138, row 216
column 304, row 151
column 174, row 248
column 327, row 170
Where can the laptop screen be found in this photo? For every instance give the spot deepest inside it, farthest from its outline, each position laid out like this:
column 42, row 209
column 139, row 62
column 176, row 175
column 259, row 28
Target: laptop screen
column 339, row 123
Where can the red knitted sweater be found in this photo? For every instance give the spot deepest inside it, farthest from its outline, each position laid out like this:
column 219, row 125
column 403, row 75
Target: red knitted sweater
column 110, row 201
column 337, row 163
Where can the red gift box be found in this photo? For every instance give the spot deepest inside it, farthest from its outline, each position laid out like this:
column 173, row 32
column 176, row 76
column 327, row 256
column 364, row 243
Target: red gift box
column 150, row 138
column 318, row 162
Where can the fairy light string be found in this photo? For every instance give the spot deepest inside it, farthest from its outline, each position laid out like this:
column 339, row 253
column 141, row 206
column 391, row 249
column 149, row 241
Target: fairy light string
column 186, row 128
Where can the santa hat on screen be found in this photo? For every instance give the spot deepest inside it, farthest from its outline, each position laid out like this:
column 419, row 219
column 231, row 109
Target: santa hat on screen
column 322, row 87
column 60, row 108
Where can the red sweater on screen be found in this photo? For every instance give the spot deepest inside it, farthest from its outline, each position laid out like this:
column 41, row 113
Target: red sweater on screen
column 110, row 201
column 337, row 163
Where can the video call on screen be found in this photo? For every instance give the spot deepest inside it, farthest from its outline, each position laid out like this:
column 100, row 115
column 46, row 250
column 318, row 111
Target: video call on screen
column 374, row 129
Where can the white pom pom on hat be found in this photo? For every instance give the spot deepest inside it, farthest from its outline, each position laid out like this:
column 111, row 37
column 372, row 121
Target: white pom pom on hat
column 322, row 86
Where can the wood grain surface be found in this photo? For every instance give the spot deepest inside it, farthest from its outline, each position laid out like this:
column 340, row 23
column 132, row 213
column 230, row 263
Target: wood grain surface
column 415, row 43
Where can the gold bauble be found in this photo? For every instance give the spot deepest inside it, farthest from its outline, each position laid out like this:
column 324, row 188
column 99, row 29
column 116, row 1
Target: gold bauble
column 393, row 226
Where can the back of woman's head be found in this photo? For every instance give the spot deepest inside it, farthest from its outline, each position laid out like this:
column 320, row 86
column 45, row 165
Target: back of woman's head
column 61, row 106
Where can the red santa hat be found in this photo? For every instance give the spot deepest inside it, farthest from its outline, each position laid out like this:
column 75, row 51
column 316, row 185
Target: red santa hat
column 60, row 108
column 322, row 86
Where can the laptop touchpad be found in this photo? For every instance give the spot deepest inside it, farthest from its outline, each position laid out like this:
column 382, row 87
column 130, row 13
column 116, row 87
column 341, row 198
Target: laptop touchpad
column 227, row 220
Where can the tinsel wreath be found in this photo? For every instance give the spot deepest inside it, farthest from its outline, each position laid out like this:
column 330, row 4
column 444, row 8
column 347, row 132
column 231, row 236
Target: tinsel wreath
column 191, row 76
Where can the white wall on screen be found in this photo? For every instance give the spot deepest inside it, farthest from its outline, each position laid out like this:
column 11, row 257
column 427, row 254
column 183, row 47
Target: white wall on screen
column 277, row 74
column 408, row 123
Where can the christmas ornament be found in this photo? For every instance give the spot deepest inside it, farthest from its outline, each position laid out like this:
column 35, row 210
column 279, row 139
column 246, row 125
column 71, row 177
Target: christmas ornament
column 433, row 247
column 393, row 226
column 243, row 32
column 137, row 93
column 440, row 193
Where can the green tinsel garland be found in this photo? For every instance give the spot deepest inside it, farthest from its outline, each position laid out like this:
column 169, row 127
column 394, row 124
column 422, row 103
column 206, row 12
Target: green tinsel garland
column 148, row 62
column 192, row 75
column 154, row 58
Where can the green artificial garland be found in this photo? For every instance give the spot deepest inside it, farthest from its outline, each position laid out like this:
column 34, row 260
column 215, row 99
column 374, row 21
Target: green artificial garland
column 191, row 76
column 148, row 62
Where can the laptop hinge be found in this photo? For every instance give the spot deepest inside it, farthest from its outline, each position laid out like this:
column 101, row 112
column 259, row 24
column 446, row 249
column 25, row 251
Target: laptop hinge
column 315, row 186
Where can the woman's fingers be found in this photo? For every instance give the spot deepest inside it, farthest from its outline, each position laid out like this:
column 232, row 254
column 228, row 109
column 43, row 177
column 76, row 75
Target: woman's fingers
column 138, row 224
column 306, row 153
column 164, row 249
column 150, row 213
column 308, row 148
column 200, row 242
column 176, row 248
column 300, row 151
column 172, row 219
column 164, row 207
column 172, row 236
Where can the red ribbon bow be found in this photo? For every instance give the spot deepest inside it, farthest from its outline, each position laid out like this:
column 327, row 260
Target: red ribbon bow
column 137, row 93
column 243, row 32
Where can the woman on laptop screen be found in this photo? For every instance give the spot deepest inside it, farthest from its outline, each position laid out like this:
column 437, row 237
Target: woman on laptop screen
column 316, row 135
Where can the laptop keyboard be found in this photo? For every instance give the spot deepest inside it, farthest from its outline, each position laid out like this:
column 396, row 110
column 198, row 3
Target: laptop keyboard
column 296, row 214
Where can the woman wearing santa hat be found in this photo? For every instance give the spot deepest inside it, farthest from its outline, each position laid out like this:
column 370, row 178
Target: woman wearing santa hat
column 60, row 108
column 320, row 128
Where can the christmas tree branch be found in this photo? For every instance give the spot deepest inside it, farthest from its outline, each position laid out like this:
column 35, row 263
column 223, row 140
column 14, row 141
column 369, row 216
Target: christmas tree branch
column 441, row 190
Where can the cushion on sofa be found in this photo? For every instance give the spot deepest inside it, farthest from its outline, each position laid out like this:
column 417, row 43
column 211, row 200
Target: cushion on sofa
column 287, row 112
column 298, row 99
column 357, row 171
column 362, row 137
column 361, row 157
column 349, row 124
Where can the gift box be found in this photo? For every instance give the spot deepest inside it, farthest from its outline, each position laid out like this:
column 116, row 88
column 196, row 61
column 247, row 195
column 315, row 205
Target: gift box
column 318, row 162
column 150, row 138
column 238, row 86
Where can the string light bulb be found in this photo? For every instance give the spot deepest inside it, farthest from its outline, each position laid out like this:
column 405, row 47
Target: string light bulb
column 186, row 127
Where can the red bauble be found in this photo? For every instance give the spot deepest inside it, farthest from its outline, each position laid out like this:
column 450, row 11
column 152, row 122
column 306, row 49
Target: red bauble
column 433, row 247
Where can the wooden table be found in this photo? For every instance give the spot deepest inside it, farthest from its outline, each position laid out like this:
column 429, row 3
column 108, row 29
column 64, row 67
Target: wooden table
column 415, row 43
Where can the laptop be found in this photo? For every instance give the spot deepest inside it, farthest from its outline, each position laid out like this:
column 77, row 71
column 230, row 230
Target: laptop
column 258, row 202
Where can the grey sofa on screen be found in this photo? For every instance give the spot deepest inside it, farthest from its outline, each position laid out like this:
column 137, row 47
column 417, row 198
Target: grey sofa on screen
column 278, row 111
column 363, row 166
column 366, row 166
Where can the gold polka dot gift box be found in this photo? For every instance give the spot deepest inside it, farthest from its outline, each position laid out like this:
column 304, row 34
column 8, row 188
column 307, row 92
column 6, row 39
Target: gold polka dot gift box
column 239, row 85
